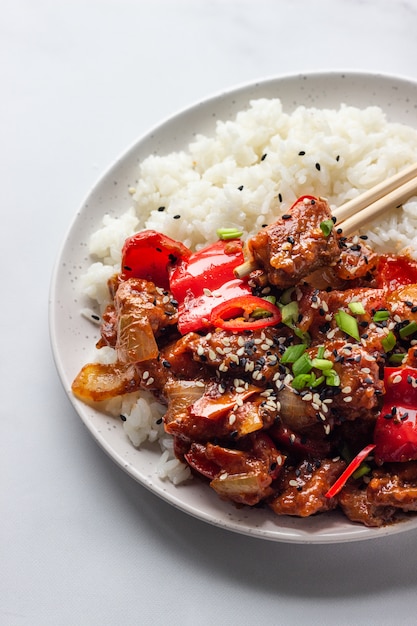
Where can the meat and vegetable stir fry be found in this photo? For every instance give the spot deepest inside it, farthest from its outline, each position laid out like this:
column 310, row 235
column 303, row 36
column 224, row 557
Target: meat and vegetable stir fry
column 290, row 384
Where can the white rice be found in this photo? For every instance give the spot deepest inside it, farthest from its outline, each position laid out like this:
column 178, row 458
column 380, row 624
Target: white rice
column 251, row 170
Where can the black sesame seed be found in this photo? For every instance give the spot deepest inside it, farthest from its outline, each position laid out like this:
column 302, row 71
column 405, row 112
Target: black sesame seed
column 291, row 240
column 240, row 188
column 263, row 157
column 286, row 216
column 161, row 208
column 176, row 217
column 338, row 157
column 123, row 418
column 301, row 153
column 280, row 197
column 166, row 364
column 127, row 268
column 318, row 166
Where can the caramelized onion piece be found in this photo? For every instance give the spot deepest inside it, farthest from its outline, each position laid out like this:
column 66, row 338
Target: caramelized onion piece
column 136, row 341
column 98, row 381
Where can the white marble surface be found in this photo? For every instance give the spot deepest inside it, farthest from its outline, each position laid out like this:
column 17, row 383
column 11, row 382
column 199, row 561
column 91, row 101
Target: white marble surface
column 81, row 542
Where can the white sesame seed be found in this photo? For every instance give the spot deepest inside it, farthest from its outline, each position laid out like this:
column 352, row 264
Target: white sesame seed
column 347, row 389
column 232, row 419
column 145, row 375
column 150, row 381
column 293, row 483
column 397, row 379
column 347, row 399
column 212, row 355
column 199, row 383
column 307, row 397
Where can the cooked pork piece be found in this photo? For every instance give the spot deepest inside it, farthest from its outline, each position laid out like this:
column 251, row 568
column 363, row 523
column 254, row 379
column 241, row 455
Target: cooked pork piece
column 298, row 243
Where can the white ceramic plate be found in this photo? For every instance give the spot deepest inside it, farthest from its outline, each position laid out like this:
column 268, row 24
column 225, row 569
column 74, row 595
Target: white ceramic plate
column 73, row 336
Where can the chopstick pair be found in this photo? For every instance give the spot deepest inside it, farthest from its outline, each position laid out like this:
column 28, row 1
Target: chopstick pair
column 354, row 214
column 391, row 193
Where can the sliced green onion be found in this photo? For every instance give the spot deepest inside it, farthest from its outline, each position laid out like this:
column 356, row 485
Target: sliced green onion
column 286, row 296
column 397, row 358
column 326, row 227
column 293, row 353
column 320, row 352
column 301, row 381
column 332, row 378
column 260, row 313
column 388, row 342
column 381, row 316
column 317, row 381
column 229, row 233
column 408, row 330
column 357, row 308
column 322, row 364
column 302, row 365
column 289, row 313
column 361, row 471
column 301, row 334
column 348, row 324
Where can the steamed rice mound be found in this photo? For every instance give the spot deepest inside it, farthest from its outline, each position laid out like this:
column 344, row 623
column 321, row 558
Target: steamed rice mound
column 250, row 171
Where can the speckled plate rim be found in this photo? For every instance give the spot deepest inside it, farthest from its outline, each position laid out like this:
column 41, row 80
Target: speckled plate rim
column 73, row 337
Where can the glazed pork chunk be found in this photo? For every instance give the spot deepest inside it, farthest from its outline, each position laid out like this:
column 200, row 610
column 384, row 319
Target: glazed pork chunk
column 297, row 244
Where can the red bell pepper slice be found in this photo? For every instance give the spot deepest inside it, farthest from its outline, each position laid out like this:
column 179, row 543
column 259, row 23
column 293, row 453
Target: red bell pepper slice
column 148, row 254
column 235, row 314
column 395, row 433
column 204, row 280
column 395, row 271
column 351, row 468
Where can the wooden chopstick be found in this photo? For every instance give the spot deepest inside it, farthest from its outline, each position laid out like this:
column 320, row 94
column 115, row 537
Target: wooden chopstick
column 390, row 193
column 356, row 213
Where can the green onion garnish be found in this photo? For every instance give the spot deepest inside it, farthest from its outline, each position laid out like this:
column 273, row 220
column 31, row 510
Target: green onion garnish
column 388, row 342
column 332, row 378
column 397, row 358
column 408, row 330
column 357, row 308
column 301, row 381
column 326, row 227
column 286, row 296
column 302, row 365
column 348, row 324
column 289, row 313
column 293, row 353
column 260, row 313
column 229, row 233
column 381, row 315
column 322, row 364
column 361, row 471
column 320, row 352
